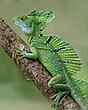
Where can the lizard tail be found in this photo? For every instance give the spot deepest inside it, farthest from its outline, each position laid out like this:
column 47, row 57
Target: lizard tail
column 83, row 87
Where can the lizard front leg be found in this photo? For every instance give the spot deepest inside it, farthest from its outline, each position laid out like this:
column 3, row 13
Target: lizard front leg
column 33, row 54
column 59, row 83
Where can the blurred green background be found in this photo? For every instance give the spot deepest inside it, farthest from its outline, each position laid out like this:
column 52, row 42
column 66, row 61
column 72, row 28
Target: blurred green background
column 71, row 23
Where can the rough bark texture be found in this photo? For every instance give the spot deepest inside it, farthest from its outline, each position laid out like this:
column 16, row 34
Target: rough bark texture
column 9, row 40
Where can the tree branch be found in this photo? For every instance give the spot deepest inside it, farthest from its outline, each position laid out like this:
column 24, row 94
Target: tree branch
column 9, row 41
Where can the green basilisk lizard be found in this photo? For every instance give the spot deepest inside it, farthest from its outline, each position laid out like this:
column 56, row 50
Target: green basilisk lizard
column 57, row 55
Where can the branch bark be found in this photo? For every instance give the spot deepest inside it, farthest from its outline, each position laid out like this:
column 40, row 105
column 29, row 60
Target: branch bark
column 33, row 69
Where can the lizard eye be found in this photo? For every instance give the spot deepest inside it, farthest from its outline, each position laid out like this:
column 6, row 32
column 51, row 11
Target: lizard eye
column 23, row 18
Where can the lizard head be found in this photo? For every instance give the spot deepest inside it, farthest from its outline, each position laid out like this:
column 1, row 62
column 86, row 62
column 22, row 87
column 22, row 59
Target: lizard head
column 28, row 22
column 24, row 22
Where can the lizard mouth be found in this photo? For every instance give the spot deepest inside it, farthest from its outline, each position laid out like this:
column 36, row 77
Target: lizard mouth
column 26, row 29
column 17, row 23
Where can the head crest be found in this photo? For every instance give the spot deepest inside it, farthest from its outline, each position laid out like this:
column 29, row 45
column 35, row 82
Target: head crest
column 43, row 17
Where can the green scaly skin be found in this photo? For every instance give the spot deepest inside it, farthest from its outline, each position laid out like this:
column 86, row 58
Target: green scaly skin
column 56, row 55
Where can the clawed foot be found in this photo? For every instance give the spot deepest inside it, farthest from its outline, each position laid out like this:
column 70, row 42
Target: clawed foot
column 58, row 98
column 19, row 51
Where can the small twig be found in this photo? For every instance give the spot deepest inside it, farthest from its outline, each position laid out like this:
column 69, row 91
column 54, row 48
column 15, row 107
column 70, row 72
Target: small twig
column 9, row 41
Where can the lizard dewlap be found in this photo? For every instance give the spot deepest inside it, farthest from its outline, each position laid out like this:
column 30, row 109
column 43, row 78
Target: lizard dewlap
column 57, row 55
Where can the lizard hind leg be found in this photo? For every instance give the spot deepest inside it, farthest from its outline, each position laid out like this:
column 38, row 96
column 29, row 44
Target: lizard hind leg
column 58, row 98
column 58, row 82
